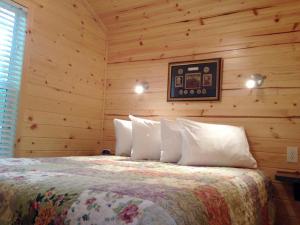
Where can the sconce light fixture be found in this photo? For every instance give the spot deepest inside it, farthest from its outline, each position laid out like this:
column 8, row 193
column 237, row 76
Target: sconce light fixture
column 256, row 80
column 141, row 87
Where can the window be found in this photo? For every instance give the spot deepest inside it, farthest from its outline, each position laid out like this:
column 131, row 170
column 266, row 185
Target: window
column 12, row 38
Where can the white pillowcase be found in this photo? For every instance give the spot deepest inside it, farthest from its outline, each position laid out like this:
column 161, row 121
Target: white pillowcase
column 214, row 145
column 123, row 132
column 171, row 141
column 145, row 139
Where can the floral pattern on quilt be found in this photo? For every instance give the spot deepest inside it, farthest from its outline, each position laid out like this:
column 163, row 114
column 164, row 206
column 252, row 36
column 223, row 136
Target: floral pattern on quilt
column 94, row 207
column 111, row 190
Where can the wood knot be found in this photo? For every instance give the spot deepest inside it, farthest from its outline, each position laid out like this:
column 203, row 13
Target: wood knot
column 276, row 136
column 255, row 12
column 295, row 26
column 201, row 21
column 33, row 126
column 30, row 118
column 277, row 19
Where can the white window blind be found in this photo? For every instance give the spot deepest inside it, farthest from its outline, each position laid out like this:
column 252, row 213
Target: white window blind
column 12, row 40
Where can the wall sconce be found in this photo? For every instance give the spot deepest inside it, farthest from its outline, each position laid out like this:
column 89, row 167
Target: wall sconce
column 256, row 80
column 141, row 87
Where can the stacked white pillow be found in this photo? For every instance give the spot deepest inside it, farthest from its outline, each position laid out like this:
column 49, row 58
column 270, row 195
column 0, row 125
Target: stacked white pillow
column 146, row 139
column 206, row 144
column 171, row 141
column 123, row 132
column 184, row 141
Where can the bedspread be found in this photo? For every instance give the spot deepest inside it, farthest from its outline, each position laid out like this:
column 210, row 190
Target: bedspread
column 115, row 190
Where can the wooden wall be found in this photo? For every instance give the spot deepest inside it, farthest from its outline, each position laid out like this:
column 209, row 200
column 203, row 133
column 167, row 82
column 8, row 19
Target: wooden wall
column 260, row 36
column 63, row 83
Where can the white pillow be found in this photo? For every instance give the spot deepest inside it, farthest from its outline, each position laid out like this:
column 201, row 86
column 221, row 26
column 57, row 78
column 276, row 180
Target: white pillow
column 170, row 141
column 123, row 131
column 214, row 145
column 145, row 139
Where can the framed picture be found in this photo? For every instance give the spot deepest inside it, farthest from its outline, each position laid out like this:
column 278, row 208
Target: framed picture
column 198, row 80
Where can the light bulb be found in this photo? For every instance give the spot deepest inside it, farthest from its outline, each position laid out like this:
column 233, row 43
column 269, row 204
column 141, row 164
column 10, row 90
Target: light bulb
column 250, row 84
column 139, row 89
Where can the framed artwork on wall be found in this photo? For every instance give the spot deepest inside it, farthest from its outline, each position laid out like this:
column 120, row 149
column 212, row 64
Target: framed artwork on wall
column 198, row 80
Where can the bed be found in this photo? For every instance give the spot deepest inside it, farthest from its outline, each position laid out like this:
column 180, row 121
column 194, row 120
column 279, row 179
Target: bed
column 115, row 190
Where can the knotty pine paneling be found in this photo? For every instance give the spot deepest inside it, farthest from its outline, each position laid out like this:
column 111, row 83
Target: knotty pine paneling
column 62, row 93
column 251, row 36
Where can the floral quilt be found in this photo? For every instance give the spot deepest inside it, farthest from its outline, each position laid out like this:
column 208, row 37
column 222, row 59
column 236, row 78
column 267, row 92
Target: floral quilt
column 112, row 190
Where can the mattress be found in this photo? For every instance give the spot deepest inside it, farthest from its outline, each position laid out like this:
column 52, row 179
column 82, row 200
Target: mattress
column 115, row 190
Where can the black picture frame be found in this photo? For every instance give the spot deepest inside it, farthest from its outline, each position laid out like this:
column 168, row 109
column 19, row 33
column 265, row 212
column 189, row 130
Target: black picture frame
column 197, row 80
